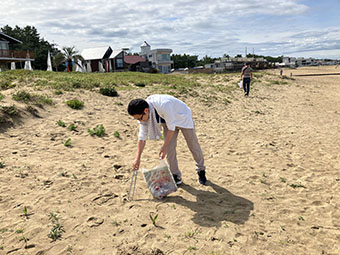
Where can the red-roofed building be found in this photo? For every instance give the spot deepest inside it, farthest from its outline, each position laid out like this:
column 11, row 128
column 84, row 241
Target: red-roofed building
column 131, row 60
column 137, row 63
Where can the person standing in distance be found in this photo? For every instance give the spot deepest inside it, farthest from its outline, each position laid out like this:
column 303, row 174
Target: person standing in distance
column 246, row 76
column 174, row 116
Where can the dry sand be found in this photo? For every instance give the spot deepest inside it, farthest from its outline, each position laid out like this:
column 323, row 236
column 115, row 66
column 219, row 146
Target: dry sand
column 272, row 162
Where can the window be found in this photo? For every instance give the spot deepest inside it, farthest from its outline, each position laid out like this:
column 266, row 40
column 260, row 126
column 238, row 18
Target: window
column 164, row 69
column 164, row 57
column 119, row 62
column 3, row 45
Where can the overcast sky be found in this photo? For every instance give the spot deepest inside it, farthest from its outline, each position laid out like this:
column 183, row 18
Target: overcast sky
column 195, row 27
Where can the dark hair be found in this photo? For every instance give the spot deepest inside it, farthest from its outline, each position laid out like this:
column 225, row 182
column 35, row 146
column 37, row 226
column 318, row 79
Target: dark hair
column 137, row 106
column 248, row 63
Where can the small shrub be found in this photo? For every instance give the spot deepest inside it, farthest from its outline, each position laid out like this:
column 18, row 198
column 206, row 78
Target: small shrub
column 57, row 228
column 297, row 186
column 76, row 84
column 68, row 143
column 192, row 248
column 25, row 212
column 116, row 134
column 75, row 104
column 2, row 164
column 140, row 84
column 58, row 92
column 275, row 82
column 26, row 97
column 99, row 130
column 61, row 123
column 6, row 85
column 1, row 96
column 108, row 91
column 153, row 218
column 10, row 110
column 191, row 233
column 22, row 96
column 72, row 127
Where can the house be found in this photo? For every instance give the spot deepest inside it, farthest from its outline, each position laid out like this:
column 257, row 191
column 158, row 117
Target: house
column 137, row 63
column 235, row 64
column 103, row 59
column 160, row 58
column 7, row 55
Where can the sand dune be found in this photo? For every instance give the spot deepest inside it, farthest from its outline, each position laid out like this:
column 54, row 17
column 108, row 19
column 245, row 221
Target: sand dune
column 272, row 164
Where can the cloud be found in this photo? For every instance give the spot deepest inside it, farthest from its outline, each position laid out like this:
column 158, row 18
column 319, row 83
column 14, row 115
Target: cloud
column 187, row 26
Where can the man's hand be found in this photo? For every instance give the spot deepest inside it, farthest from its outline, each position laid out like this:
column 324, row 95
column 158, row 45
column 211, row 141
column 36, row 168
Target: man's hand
column 136, row 164
column 162, row 152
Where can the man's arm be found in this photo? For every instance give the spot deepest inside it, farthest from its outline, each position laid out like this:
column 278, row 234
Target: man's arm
column 167, row 140
column 140, row 148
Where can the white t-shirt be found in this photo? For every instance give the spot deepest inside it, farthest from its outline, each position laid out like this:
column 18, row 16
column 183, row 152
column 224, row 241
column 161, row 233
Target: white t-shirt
column 175, row 113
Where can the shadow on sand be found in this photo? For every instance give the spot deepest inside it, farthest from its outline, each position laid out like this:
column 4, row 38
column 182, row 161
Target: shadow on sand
column 211, row 208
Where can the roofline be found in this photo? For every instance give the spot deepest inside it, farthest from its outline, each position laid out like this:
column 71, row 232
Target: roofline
column 10, row 37
column 154, row 50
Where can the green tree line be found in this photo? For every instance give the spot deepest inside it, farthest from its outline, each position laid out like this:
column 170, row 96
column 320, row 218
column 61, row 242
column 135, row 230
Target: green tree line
column 32, row 41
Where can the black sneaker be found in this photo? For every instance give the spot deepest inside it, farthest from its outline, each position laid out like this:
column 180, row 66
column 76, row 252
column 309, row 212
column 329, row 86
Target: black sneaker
column 202, row 179
column 178, row 179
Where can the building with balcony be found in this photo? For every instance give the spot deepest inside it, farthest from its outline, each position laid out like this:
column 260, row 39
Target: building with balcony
column 7, row 55
column 160, row 58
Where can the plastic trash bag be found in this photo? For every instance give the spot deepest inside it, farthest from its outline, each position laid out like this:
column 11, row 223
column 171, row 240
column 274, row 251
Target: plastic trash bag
column 159, row 180
column 240, row 84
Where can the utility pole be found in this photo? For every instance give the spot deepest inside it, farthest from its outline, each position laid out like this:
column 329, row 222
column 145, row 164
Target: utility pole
column 246, row 52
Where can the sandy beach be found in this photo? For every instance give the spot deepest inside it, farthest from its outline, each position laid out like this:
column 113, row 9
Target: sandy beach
column 272, row 163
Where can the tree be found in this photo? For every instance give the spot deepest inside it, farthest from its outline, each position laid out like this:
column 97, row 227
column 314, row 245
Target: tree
column 206, row 60
column 71, row 55
column 268, row 58
column 57, row 61
column 183, row 61
column 31, row 41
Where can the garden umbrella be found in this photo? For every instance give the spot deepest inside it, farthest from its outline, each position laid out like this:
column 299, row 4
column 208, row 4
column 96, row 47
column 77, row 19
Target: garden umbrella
column 79, row 66
column 88, row 67
column 28, row 65
column 101, row 68
column 49, row 63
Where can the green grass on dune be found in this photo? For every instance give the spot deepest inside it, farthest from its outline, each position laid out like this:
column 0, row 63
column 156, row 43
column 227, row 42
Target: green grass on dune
column 76, row 80
column 208, row 87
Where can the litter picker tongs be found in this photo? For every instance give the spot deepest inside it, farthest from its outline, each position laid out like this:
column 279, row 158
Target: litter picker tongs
column 133, row 183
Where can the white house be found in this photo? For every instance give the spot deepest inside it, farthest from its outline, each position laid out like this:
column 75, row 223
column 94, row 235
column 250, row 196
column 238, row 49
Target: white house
column 160, row 58
column 103, row 59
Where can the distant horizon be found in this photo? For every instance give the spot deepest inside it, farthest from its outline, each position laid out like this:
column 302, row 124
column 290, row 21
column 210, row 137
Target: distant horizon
column 295, row 28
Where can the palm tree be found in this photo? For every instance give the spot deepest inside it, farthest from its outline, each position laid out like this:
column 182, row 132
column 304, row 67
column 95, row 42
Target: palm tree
column 58, row 59
column 71, row 54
